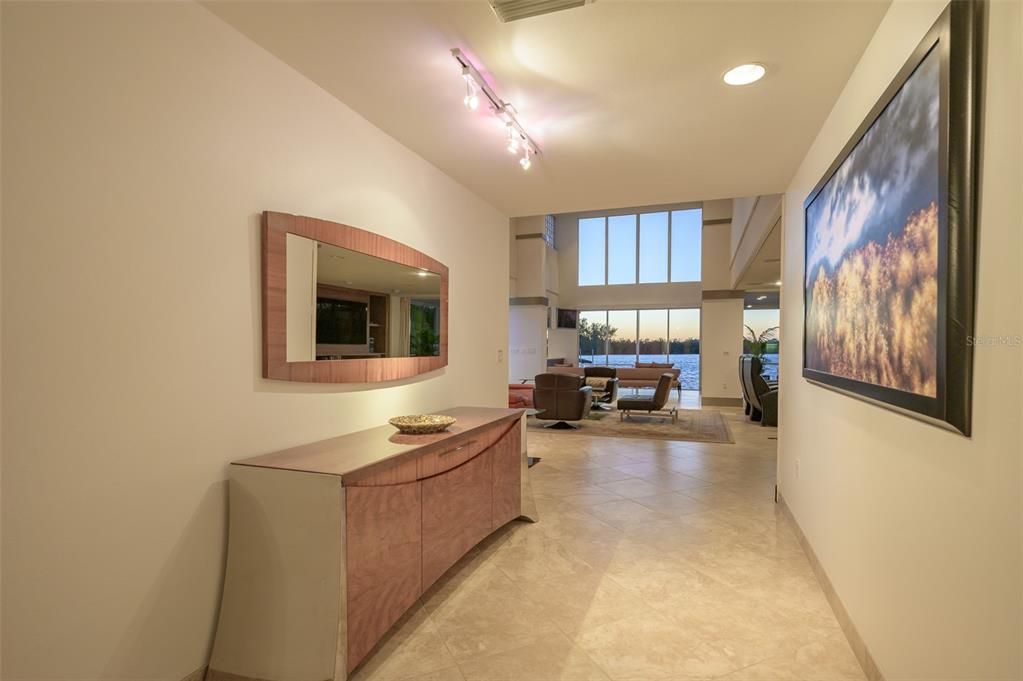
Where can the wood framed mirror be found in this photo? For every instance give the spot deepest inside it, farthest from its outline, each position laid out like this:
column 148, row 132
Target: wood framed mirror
column 344, row 305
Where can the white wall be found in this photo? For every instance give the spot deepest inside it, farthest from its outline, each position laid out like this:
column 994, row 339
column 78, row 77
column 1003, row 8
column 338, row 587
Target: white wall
column 742, row 209
column 764, row 215
column 720, row 320
column 141, row 142
column 527, row 341
column 918, row 528
column 720, row 347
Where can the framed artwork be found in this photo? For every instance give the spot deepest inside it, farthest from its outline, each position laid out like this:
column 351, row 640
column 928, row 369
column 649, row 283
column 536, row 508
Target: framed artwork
column 889, row 262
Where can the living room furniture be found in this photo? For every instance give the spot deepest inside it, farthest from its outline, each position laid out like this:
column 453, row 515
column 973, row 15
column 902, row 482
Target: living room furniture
column 653, row 404
column 604, row 382
column 330, row 543
column 562, row 398
column 761, row 398
column 520, row 396
column 631, row 377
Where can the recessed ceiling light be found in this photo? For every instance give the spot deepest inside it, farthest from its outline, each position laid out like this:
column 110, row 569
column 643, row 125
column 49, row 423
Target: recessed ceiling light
column 777, row 283
column 744, row 74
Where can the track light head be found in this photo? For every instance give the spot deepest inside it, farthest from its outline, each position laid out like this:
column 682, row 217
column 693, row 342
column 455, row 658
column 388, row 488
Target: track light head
column 513, row 139
column 471, row 99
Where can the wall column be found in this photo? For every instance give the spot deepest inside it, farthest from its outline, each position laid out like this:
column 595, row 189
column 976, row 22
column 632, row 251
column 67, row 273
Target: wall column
column 720, row 347
column 720, row 311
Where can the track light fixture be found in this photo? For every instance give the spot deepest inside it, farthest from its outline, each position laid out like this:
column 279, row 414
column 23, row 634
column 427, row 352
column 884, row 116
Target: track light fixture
column 476, row 88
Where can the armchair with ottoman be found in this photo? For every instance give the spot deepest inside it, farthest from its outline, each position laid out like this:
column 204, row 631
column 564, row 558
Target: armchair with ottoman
column 562, row 398
column 761, row 397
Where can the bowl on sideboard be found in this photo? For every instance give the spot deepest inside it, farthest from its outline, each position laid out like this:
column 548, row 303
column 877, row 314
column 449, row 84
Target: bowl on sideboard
column 422, row 424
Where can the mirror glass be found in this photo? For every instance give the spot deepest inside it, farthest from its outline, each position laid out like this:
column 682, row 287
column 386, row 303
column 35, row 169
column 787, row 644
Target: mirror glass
column 342, row 304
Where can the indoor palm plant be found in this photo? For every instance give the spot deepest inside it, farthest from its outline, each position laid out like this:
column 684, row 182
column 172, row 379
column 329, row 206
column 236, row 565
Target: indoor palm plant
column 757, row 342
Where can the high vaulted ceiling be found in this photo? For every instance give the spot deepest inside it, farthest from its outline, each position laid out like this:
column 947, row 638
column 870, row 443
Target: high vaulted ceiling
column 625, row 99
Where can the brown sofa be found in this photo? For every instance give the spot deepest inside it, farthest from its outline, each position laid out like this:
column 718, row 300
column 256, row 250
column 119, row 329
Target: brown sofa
column 642, row 376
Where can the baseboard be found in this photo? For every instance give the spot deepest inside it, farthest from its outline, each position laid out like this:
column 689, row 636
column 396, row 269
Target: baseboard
column 859, row 647
column 198, row 675
column 721, row 401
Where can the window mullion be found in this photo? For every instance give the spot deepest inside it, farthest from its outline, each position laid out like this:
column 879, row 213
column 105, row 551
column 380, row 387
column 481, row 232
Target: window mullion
column 607, row 243
column 635, row 346
column 635, row 235
column 669, row 246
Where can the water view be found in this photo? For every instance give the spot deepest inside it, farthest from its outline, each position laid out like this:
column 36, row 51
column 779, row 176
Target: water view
column 688, row 364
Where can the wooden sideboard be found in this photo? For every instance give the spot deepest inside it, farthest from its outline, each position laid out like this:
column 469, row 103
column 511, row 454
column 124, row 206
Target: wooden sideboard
column 331, row 542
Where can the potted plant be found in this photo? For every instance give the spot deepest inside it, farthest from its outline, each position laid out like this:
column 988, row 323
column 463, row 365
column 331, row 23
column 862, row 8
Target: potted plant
column 757, row 342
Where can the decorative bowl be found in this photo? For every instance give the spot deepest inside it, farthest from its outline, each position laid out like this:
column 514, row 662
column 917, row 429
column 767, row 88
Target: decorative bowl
column 421, row 424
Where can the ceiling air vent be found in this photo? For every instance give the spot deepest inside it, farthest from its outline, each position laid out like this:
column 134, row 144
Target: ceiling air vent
column 513, row 10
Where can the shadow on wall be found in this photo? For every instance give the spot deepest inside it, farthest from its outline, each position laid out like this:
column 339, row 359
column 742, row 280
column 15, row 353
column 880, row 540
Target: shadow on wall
column 169, row 618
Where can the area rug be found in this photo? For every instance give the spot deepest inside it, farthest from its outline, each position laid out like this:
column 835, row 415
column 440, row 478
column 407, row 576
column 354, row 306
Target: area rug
column 694, row 425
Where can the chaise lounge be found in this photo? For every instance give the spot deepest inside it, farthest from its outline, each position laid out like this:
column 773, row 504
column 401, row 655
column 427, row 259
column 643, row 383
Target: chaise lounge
column 653, row 404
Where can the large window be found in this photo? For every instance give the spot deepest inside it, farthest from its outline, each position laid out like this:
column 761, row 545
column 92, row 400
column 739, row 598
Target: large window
column 686, row 228
column 623, row 338
column 592, row 236
column 645, row 248
column 653, row 245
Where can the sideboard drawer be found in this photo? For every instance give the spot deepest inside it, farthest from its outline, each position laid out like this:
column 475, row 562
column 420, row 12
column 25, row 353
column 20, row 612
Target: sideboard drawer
column 445, row 459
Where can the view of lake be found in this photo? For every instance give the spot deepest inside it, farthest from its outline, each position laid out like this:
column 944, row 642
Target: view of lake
column 689, row 364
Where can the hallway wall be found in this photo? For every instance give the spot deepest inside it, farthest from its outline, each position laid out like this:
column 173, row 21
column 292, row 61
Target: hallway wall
column 919, row 529
column 141, row 141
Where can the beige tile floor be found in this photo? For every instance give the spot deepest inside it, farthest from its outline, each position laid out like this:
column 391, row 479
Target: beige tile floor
column 652, row 560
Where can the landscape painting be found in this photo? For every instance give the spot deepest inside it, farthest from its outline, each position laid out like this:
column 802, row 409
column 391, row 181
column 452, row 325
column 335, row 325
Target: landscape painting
column 872, row 249
column 889, row 269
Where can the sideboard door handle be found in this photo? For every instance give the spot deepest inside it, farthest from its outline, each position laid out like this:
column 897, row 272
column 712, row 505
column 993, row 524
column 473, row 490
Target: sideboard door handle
column 456, row 449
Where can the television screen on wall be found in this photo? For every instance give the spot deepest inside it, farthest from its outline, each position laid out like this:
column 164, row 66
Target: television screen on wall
column 568, row 319
column 341, row 322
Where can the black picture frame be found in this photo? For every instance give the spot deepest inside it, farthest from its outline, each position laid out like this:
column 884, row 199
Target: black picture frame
column 957, row 35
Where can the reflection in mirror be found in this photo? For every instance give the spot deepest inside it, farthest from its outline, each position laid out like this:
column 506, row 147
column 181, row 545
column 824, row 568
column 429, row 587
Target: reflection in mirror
column 342, row 304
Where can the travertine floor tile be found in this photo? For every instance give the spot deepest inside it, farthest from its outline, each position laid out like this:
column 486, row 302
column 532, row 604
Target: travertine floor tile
column 412, row 649
column 544, row 658
column 653, row 561
column 652, row 647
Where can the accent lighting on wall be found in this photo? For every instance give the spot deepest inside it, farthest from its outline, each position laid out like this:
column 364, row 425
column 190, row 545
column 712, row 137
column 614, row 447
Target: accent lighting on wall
column 475, row 87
